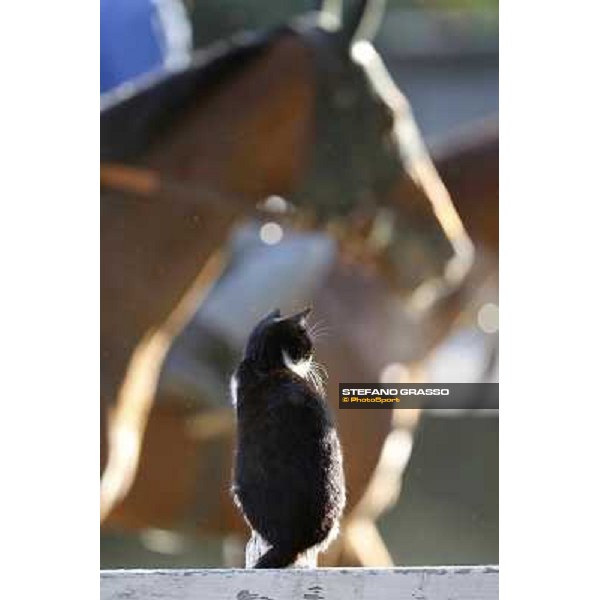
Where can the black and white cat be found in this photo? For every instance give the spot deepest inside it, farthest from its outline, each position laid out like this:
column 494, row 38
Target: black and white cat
column 288, row 477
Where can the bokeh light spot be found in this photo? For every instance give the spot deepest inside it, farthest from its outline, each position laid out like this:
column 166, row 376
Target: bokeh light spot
column 275, row 204
column 394, row 373
column 488, row 318
column 271, row 233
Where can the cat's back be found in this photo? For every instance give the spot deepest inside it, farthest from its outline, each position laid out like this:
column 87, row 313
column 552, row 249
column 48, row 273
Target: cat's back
column 280, row 400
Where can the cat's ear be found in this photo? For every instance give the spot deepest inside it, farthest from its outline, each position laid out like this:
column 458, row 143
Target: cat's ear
column 301, row 317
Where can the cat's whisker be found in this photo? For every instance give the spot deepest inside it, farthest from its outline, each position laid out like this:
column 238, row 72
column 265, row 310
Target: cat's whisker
column 318, row 376
column 323, row 374
column 319, row 332
column 322, row 377
column 315, row 326
column 320, row 335
column 318, row 323
column 316, row 383
column 320, row 329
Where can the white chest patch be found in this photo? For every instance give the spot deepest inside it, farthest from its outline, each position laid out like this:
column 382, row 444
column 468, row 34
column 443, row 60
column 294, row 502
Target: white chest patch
column 301, row 368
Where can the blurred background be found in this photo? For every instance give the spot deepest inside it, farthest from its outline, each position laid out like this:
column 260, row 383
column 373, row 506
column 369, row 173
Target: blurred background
column 433, row 491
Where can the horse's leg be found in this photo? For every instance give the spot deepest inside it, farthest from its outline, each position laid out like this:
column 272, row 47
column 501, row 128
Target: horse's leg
column 127, row 422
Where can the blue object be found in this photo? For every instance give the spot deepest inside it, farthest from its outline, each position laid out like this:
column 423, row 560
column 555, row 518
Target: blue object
column 139, row 36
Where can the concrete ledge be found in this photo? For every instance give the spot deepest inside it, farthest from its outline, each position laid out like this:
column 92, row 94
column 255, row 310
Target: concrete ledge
column 423, row 583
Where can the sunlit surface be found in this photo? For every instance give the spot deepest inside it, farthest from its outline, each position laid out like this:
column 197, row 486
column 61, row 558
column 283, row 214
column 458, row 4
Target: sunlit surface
column 271, row 233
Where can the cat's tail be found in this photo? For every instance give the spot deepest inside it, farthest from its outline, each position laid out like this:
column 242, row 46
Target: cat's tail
column 277, row 558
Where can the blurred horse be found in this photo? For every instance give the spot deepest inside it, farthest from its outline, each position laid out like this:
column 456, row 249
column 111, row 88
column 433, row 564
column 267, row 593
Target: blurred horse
column 308, row 113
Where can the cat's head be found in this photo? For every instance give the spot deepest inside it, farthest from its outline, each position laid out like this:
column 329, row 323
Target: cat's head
column 278, row 342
